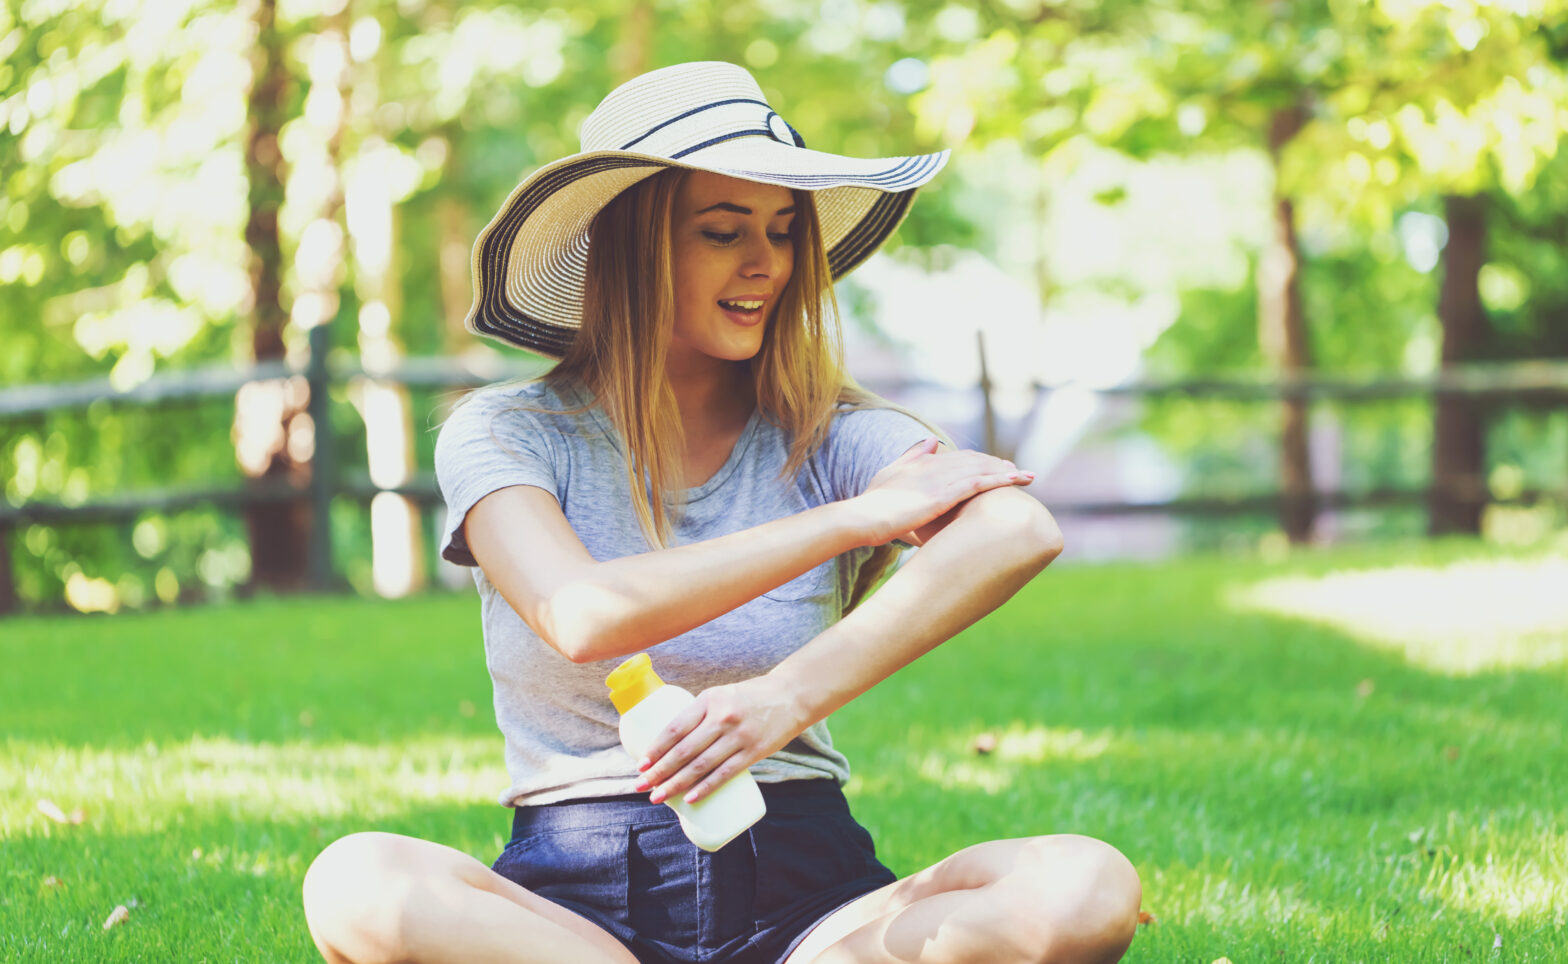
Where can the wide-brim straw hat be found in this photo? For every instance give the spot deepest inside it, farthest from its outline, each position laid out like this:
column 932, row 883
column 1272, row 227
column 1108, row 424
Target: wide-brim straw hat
column 530, row 261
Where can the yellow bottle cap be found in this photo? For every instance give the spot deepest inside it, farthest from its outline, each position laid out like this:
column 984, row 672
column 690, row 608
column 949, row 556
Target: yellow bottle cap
column 631, row 682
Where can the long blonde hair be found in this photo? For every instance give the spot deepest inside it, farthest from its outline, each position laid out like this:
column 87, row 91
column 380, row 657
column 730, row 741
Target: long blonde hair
column 629, row 315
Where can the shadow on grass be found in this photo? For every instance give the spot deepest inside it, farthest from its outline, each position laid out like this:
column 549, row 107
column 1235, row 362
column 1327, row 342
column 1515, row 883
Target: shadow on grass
column 312, row 668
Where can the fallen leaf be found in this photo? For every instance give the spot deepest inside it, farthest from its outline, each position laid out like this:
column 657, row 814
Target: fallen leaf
column 1144, row 917
column 52, row 810
column 119, row 915
column 1452, row 752
column 53, row 881
column 1222, row 960
column 985, row 743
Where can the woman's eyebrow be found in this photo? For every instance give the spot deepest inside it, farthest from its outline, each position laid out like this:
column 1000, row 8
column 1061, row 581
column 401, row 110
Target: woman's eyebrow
column 737, row 209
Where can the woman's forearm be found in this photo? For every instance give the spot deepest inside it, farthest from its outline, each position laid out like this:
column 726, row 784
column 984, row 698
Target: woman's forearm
column 995, row 545
column 996, row 542
column 621, row 606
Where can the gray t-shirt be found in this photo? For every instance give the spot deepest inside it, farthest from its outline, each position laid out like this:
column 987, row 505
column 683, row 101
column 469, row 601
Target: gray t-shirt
column 562, row 741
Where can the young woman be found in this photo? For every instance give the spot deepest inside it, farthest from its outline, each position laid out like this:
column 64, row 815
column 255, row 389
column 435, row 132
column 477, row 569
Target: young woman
column 698, row 477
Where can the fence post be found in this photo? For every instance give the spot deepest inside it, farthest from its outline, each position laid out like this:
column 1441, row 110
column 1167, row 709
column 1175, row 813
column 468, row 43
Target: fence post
column 985, row 398
column 7, row 586
column 323, row 461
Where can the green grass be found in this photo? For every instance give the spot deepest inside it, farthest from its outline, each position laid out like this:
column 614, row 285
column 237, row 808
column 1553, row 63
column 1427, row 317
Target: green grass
column 1290, row 789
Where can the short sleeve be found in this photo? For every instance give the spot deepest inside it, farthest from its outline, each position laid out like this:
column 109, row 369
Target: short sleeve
column 863, row 442
column 487, row 443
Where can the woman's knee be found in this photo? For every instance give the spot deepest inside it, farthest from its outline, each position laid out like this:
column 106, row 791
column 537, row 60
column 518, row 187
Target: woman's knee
column 1080, row 895
column 357, row 893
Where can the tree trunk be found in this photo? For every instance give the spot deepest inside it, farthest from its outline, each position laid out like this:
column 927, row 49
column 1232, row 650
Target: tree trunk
column 279, row 531
column 633, row 50
column 397, row 556
column 7, row 580
column 1282, row 333
column 1458, row 494
column 455, row 240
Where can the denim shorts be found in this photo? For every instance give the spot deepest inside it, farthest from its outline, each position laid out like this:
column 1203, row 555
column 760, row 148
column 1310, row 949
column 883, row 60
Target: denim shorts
column 625, row 865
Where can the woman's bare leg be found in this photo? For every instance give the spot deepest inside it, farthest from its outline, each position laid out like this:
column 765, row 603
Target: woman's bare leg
column 1062, row 899
column 378, row 898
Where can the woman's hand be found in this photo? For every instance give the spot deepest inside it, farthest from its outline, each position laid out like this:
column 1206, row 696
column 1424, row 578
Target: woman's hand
column 725, row 731
column 923, row 483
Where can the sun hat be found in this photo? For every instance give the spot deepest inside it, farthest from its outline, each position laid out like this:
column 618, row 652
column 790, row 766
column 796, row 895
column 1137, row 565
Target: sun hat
column 530, row 261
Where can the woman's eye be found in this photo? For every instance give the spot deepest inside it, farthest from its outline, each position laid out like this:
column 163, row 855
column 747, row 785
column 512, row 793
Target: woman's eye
column 719, row 236
column 780, row 238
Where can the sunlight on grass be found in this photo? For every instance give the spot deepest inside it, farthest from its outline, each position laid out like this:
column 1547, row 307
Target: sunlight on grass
column 1501, row 873
column 1502, row 888
column 994, row 769
column 1215, row 895
column 1036, row 744
column 1458, row 619
column 1287, row 791
column 147, row 786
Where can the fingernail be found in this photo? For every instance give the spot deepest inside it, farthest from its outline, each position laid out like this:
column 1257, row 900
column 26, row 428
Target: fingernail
column 644, row 764
column 643, row 786
column 658, row 797
column 691, row 797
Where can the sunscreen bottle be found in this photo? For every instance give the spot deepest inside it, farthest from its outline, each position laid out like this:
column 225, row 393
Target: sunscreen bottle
column 646, row 705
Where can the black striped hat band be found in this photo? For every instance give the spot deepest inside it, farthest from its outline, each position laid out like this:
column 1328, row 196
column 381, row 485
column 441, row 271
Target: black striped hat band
column 529, row 262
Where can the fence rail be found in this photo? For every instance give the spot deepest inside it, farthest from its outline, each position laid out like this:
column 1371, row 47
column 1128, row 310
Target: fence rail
column 1543, row 382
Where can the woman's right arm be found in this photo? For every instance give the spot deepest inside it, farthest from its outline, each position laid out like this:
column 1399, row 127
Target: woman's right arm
column 590, row 610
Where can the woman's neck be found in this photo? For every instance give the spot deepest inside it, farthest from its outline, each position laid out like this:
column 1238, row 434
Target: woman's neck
column 714, row 397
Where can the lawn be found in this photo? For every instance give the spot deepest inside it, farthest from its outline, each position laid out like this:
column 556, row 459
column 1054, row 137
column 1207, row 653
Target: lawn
column 1348, row 756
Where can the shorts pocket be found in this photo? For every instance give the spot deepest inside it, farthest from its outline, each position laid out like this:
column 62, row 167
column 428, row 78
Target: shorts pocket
column 585, row 866
column 802, row 855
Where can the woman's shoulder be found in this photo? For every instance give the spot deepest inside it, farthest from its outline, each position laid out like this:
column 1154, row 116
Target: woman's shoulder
column 527, row 401
column 516, row 411
column 877, row 416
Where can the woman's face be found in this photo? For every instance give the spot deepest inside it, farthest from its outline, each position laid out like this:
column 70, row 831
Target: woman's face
column 733, row 255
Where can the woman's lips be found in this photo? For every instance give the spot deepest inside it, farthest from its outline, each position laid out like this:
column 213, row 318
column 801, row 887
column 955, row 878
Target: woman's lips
column 742, row 316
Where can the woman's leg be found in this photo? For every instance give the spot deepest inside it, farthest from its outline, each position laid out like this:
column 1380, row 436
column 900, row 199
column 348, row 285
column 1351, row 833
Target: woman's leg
column 1062, row 899
column 381, row 897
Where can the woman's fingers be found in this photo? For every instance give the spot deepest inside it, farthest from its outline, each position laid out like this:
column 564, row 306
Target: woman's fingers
column 680, row 740
column 701, row 786
column 725, row 731
column 677, row 758
column 706, row 771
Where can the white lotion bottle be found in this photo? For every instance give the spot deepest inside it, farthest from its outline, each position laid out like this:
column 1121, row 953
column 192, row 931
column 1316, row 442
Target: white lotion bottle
column 647, row 704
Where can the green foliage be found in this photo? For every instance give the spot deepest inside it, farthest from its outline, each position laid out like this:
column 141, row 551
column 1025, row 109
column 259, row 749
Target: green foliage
column 123, row 142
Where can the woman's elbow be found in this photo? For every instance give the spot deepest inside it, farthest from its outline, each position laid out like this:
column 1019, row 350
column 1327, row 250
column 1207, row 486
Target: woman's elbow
column 1023, row 521
column 574, row 623
column 1046, row 537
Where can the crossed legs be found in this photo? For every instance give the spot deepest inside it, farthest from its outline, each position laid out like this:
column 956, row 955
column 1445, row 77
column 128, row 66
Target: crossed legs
column 378, row 898
column 1062, row 899
column 382, row 898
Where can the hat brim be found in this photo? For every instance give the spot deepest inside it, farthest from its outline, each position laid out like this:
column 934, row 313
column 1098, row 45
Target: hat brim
column 530, row 261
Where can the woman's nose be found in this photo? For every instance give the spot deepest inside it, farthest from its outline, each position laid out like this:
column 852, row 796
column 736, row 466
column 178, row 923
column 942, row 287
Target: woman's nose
column 763, row 258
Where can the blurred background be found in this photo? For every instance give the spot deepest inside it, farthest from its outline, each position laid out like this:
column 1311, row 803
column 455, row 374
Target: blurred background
column 1228, row 277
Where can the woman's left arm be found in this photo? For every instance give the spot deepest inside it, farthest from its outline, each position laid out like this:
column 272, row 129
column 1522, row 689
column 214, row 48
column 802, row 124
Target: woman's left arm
column 995, row 543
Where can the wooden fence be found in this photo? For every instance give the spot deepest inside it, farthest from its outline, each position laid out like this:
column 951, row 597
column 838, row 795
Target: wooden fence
column 1540, row 383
